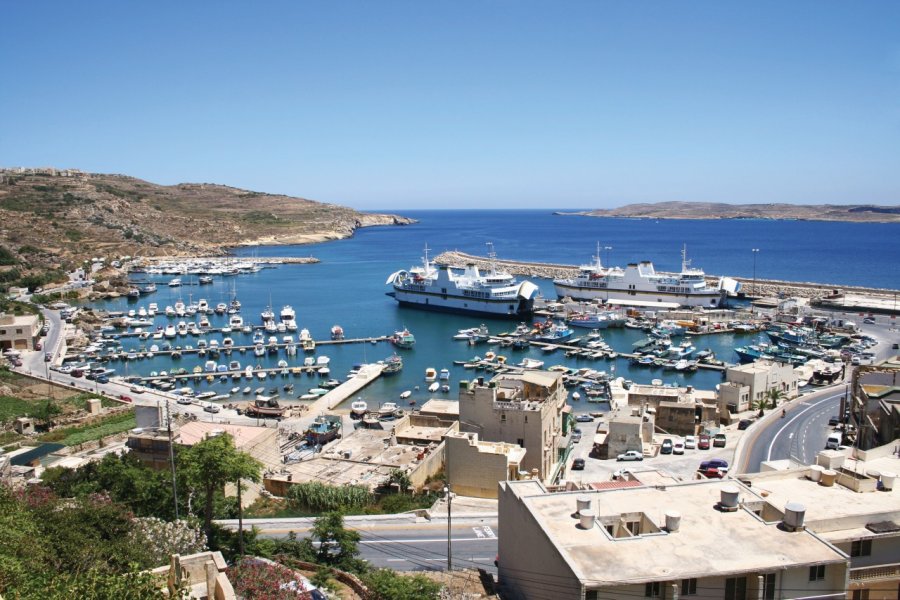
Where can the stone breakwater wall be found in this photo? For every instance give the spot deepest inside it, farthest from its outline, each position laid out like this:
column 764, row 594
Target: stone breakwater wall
column 761, row 288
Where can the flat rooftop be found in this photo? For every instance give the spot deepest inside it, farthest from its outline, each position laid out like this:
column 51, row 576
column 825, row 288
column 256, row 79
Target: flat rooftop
column 835, row 512
column 708, row 540
column 434, row 406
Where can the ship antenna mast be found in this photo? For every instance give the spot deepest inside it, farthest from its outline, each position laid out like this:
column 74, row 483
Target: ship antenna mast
column 492, row 256
column 685, row 263
column 425, row 259
column 597, row 257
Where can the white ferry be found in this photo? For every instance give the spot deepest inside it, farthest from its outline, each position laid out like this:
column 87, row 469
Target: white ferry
column 443, row 288
column 641, row 283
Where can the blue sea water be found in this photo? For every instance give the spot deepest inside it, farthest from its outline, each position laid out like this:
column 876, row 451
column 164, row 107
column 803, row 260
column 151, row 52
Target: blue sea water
column 348, row 286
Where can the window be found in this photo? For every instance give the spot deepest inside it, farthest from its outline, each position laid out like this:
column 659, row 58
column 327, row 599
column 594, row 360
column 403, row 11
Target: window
column 503, row 417
column 736, row 588
column 688, row 587
column 653, row 590
column 817, row 573
column 860, row 595
column 769, row 586
column 861, row 548
column 521, row 442
column 590, row 595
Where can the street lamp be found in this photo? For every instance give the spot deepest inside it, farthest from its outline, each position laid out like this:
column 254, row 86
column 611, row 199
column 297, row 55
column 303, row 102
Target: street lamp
column 755, row 251
column 449, row 497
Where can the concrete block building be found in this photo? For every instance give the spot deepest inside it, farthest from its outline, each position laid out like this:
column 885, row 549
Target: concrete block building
column 746, row 384
column 19, row 332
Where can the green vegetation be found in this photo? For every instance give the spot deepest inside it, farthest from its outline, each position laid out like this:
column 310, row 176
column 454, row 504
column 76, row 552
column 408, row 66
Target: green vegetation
column 7, row 257
column 72, row 436
column 10, row 408
column 388, row 584
column 74, row 235
column 321, row 497
column 57, row 548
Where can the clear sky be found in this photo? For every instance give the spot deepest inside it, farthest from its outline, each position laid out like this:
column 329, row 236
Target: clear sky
column 464, row 104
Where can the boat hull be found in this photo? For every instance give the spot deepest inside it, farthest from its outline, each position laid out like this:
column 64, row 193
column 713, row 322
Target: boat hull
column 508, row 309
column 577, row 292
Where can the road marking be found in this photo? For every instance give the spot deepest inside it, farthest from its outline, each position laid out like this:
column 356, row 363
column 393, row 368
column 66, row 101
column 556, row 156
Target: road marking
column 489, row 532
column 478, row 531
column 422, row 541
column 790, row 437
column 794, row 418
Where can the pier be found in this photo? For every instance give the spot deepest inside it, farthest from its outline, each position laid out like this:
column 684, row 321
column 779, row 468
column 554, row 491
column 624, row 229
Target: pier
column 367, row 374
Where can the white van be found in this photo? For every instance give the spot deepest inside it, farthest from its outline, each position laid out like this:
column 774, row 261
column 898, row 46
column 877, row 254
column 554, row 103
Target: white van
column 834, row 441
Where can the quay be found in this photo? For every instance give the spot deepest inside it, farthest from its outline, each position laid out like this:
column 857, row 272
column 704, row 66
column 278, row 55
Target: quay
column 367, row 374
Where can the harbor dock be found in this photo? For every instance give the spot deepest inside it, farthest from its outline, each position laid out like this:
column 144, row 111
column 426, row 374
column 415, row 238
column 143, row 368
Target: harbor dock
column 367, row 374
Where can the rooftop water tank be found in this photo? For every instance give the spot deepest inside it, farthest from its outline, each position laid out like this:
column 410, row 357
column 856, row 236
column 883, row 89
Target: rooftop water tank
column 586, row 519
column 887, row 480
column 582, row 503
column 794, row 512
column 673, row 521
column 728, row 498
column 815, row 472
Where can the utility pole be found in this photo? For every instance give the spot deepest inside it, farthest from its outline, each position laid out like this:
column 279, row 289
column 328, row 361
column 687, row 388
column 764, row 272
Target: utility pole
column 449, row 497
column 755, row 251
column 172, row 460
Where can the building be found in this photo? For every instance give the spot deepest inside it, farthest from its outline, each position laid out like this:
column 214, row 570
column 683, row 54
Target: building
column 747, row 384
column 855, row 507
column 474, row 466
column 527, row 409
column 713, row 539
column 151, row 446
column 204, row 574
column 679, row 410
column 19, row 332
column 875, row 403
column 624, row 432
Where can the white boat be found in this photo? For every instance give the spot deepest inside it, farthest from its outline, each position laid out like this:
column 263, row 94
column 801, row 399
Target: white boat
column 531, row 363
column 388, row 408
column 642, row 283
column 236, row 321
column 449, row 289
column 434, row 387
column 152, row 309
column 309, row 361
column 170, row 331
column 246, row 390
column 405, row 395
column 288, row 317
column 259, row 350
column 444, row 375
column 324, row 371
column 323, row 361
column 337, row 332
column 430, row 374
column 202, row 306
column 175, row 282
column 576, row 396
column 359, row 407
column 289, row 346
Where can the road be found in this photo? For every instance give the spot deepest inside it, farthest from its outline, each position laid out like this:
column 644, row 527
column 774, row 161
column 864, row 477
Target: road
column 406, row 544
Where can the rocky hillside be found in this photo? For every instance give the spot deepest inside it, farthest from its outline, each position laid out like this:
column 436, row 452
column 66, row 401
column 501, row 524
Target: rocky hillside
column 52, row 219
column 715, row 210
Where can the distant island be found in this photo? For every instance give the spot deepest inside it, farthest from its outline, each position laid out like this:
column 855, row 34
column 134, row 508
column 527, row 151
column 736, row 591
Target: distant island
column 861, row 213
column 53, row 219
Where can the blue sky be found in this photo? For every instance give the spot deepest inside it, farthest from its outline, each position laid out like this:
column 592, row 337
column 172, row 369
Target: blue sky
column 464, row 104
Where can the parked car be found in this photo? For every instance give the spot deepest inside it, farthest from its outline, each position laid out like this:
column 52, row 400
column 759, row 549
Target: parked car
column 690, row 442
column 703, row 443
column 834, row 420
column 48, row 356
column 869, row 320
column 666, row 447
column 715, row 463
column 124, row 398
column 578, row 464
column 136, row 389
column 744, row 424
column 184, row 400
column 39, row 346
column 576, row 435
column 713, row 473
column 719, row 440
column 584, row 419
column 678, row 447
column 631, row 455
column 102, row 379
column 212, row 408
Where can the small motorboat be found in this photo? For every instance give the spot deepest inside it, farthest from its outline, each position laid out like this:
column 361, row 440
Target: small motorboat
column 405, row 395
column 359, row 407
column 434, row 387
column 388, row 408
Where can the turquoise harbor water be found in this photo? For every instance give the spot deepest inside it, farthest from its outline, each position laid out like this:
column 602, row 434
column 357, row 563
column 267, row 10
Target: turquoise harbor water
column 348, row 286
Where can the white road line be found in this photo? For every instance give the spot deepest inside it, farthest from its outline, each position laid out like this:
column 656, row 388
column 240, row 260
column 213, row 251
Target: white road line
column 794, row 418
column 413, row 541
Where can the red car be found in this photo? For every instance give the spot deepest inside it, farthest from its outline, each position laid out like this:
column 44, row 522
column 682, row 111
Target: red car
column 703, row 442
column 124, row 398
column 713, row 473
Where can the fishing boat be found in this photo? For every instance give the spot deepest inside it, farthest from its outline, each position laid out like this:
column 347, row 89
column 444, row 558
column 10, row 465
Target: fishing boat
column 448, row 289
column 392, row 365
column 322, row 431
column 403, row 339
column 430, row 374
column 596, row 320
column 555, row 333
column 641, row 282
column 265, row 407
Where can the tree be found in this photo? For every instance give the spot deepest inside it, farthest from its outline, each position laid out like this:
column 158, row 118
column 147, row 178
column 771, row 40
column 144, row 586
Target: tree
column 210, row 464
column 400, row 478
column 775, row 395
column 762, row 405
column 337, row 545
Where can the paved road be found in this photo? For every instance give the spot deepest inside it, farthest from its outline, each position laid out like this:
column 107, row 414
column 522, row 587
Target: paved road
column 408, row 546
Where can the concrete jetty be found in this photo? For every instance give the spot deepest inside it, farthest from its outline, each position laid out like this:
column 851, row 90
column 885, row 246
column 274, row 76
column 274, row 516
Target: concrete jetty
column 367, row 374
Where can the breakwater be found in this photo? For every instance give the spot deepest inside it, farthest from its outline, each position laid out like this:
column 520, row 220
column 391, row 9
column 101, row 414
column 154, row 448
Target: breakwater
column 757, row 288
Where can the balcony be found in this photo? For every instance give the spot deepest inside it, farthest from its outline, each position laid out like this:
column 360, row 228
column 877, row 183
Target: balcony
column 873, row 574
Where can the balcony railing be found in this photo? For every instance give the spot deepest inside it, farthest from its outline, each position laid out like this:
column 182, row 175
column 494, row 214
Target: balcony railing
column 875, row 573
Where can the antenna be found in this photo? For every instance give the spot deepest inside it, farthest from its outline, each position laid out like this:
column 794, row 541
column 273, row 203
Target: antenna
column 492, row 256
column 685, row 263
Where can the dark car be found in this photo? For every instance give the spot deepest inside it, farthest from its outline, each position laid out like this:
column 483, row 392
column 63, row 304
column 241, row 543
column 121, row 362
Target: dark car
column 714, row 463
column 102, row 379
column 745, row 423
column 666, row 447
column 584, row 419
column 703, row 442
column 578, row 464
column 834, row 420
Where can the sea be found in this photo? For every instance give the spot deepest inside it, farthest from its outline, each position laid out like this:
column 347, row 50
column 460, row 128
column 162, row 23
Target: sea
column 348, row 287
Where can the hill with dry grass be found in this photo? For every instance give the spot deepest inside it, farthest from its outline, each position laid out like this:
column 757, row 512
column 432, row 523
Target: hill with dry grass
column 867, row 213
column 55, row 219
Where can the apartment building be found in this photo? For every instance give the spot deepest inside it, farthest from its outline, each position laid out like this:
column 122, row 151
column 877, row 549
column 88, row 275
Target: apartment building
column 527, row 409
column 19, row 332
column 746, row 384
column 875, row 403
column 713, row 539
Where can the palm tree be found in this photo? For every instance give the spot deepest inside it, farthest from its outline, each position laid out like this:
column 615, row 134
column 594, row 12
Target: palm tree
column 762, row 405
column 774, row 395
